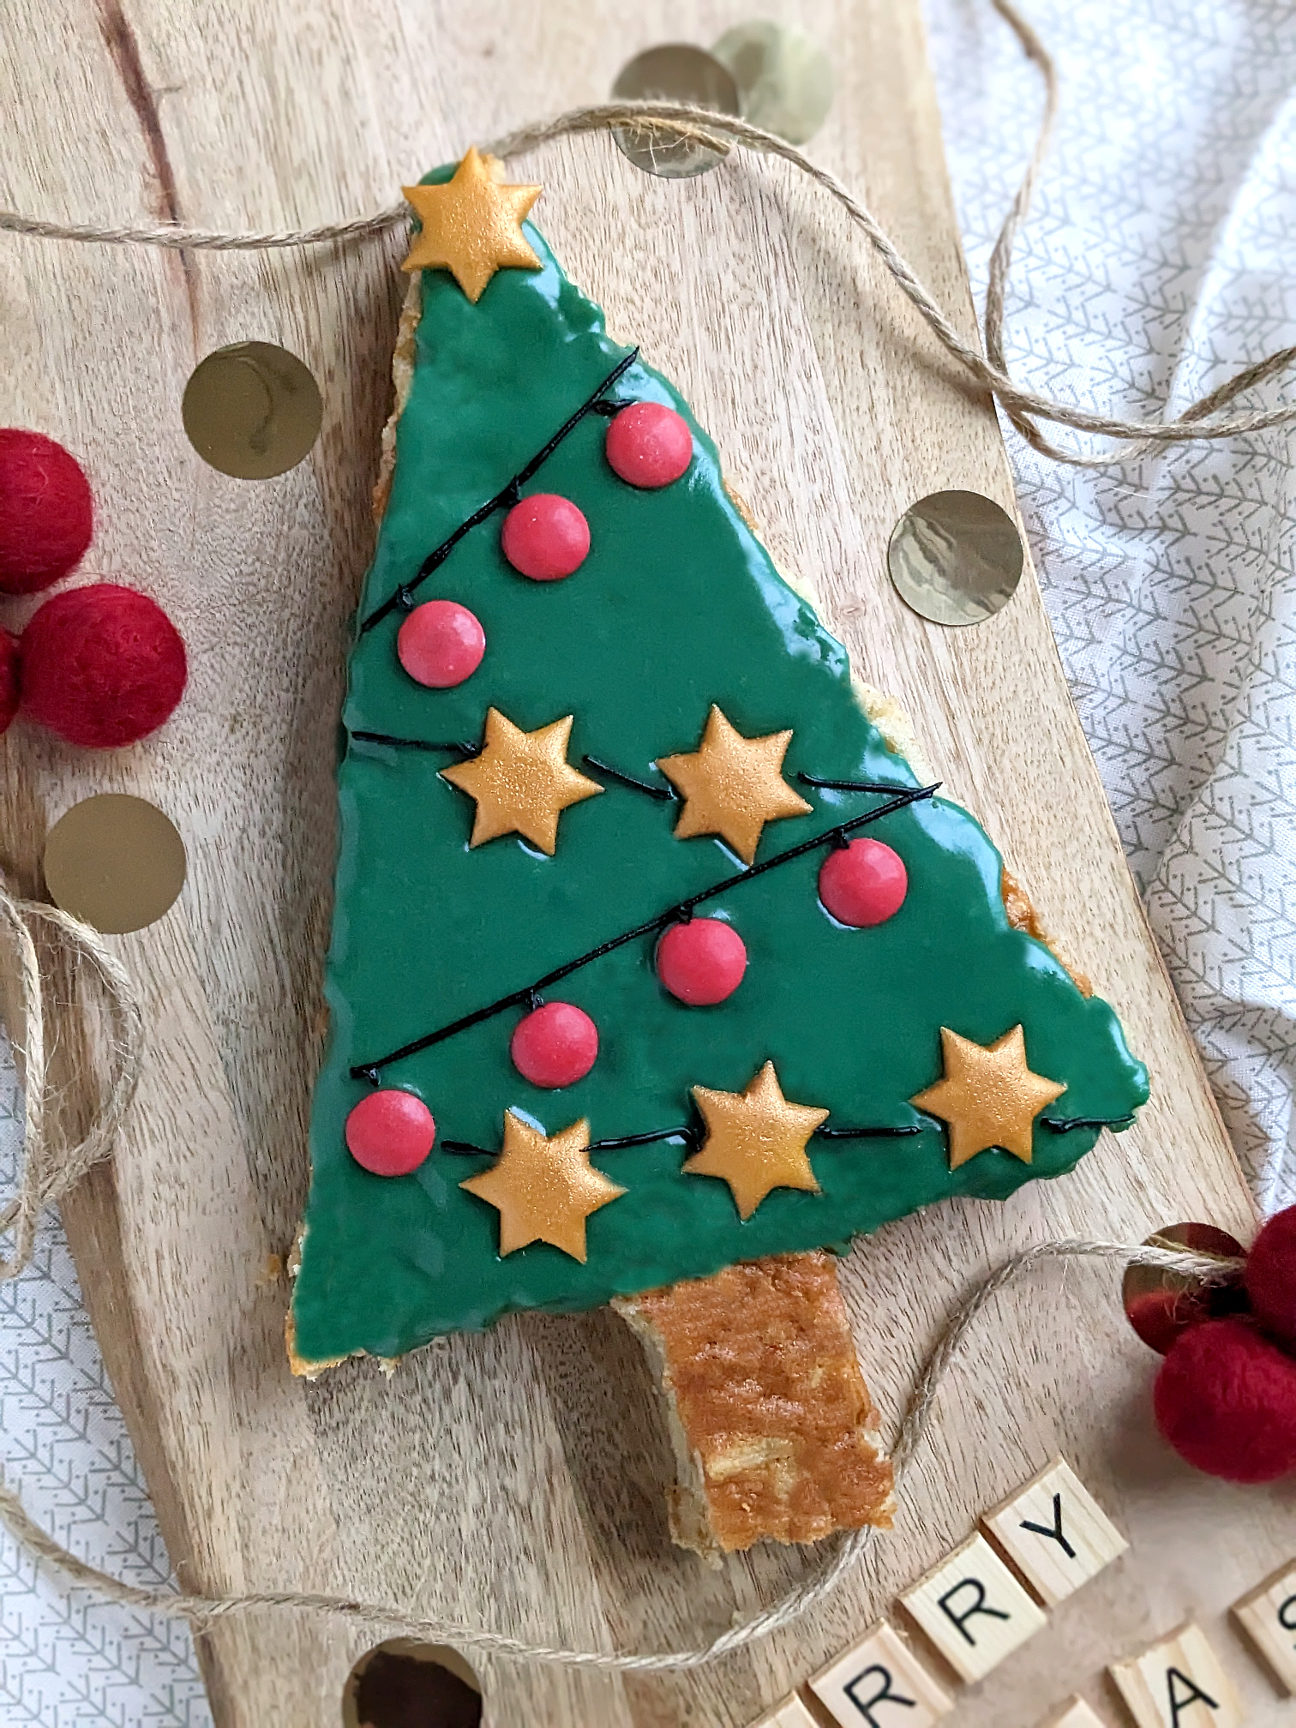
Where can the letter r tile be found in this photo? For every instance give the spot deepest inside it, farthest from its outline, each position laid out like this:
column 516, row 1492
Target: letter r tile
column 880, row 1683
column 1055, row 1533
column 973, row 1609
column 791, row 1713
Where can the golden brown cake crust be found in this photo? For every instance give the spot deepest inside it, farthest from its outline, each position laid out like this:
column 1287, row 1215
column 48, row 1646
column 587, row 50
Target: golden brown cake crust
column 761, row 1368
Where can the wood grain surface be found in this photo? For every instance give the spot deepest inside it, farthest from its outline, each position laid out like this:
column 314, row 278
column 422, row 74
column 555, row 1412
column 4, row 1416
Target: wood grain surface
column 516, row 1478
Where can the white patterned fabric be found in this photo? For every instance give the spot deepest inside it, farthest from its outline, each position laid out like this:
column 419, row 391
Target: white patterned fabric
column 1161, row 255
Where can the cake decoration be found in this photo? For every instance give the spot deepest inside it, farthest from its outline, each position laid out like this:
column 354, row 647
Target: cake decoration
column 521, row 782
column 732, row 786
column 471, row 225
column 706, row 920
column 988, row 1096
column 543, row 1187
column 755, row 1140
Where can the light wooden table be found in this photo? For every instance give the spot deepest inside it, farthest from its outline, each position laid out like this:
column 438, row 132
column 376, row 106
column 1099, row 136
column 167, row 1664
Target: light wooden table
column 516, row 1478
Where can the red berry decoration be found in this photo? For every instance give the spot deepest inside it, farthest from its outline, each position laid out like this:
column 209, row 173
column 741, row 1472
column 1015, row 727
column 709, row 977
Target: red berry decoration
column 649, row 445
column 555, row 1045
column 545, row 537
column 390, row 1132
column 8, row 678
column 46, row 512
column 863, row 883
column 1225, row 1399
column 701, row 961
column 1270, row 1277
column 101, row 666
column 440, row 644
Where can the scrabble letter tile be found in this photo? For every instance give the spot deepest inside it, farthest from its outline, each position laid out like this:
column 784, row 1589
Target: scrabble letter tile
column 1268, row 1617
column 791, row 1713
column 880, row 1684
column 1178, row 1683
column 973, row 1609
column 1055, row 1533
column 1076, row 1714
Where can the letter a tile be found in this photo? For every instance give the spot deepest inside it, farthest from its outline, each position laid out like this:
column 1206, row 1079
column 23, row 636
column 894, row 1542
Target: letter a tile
column 973, row 1609
column 1076, row 1714
column 880, row 1683
column 1178, row 1683
column 1055, row 1533
column 791, row 1713
column 1268, row 1617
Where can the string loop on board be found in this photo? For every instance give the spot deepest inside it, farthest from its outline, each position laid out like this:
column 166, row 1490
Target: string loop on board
column 202, row 1612
column 50, row 1165
column 1201, row 421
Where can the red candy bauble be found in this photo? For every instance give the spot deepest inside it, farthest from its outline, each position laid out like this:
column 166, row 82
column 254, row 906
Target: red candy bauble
column 555, row 1045
column 390, row 1132
column 649, row 445
column 440, row 644
column 1270, row 1277
column 1225, row 1399
column 101, row 666
column 545, row 537
column 863, row 883
column 702, row 961
column 46, row 512
column 8, row 678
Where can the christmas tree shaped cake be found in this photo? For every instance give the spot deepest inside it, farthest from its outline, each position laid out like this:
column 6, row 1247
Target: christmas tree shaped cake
column 656, row 970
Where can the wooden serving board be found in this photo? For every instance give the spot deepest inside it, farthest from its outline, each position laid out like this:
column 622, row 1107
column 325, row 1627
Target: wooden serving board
column 516, row 1478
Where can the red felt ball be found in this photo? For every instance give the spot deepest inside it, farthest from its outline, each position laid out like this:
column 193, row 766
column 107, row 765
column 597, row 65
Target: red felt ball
column 863, row 883
column 440, row 644
column 545, row 537
column 1225, row 1399
column 649, row 445
column 1270, row 1276
column 702, row 961
column 46, row 512
column 390, row 1132
column 555, row 1045
column 8, row 678
column 101, row 666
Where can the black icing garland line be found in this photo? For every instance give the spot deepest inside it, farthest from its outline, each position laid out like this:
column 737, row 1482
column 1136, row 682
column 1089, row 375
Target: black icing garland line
column 680, row 910
column 459, row 748
column 1064, row 1126
column 662, row 792
column 507, row 494
column 665, row 793
column 841, row 785
column 691, row 1135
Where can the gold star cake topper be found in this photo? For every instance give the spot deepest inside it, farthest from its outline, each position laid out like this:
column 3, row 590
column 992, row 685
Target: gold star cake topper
column 543, row 1187
column 521, row 781
column 755, row 1140
column 988, row 1096
column 471, row 225
column 732, row 785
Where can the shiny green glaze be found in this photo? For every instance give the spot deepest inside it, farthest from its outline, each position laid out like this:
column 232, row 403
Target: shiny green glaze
column 677, row 606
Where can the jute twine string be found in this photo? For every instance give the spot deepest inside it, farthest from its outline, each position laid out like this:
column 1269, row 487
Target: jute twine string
column 51, row 1166
column 1025, row 408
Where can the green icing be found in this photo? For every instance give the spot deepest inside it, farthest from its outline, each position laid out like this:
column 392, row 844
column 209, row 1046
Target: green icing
column 676, row 607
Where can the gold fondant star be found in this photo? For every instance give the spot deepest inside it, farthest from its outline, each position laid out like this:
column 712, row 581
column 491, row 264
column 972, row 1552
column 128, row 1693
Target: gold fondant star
column 732, row 785
column 543, row 1187
column 988, row 1096
column 521, row 781
column 471, row 225
column 755, row 1140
